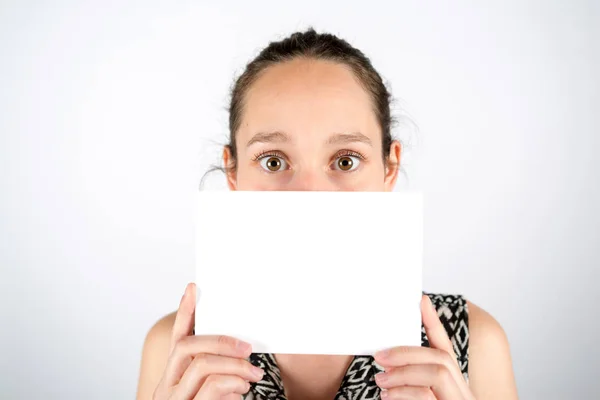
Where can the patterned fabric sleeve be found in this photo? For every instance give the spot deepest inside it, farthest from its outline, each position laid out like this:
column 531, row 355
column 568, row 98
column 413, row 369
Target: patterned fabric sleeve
column 454, row 315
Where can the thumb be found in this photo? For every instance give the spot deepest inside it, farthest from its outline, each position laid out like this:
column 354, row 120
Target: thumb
column 436, row 333
column 186, row 315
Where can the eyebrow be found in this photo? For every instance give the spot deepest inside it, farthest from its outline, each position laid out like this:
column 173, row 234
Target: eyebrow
column 269, row 137
column 282, row 137
column 345, row 138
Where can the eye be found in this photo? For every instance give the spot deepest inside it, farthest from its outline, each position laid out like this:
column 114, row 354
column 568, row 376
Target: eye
column 273, row 163
column 346, row 163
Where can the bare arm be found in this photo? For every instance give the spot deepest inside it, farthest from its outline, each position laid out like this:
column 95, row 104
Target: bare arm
column 179, row 365
column 154, row 356
column 491, row 374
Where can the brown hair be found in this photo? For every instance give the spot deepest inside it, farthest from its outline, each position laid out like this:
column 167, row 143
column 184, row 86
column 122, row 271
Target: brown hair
column 318, row 46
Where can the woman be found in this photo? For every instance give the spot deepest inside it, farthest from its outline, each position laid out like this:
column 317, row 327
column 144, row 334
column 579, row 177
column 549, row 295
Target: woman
column 311, row 113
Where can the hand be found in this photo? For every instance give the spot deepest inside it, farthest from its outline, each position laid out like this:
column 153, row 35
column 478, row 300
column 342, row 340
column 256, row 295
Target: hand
column 204, row 367
column 422, row 372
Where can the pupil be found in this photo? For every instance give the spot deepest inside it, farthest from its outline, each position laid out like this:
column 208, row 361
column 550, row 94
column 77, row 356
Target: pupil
column 345, row 163
column 273, row 164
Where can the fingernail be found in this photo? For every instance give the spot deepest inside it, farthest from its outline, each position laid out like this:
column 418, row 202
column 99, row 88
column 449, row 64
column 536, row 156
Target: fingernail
column 384, row 394
column 257, row 372
column 382, row 353
column 243, row 347
column 381, row 378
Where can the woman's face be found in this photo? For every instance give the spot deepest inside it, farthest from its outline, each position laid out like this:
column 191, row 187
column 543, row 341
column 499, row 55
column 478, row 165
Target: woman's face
column 309, row 125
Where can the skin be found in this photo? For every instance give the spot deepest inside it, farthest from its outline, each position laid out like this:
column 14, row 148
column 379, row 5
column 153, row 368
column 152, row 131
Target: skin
column 314, row 124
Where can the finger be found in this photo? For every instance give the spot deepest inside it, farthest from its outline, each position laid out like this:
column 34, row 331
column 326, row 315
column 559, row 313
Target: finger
column 402, row 356
column 182, row 326
column 187, row 348
column 205, row 365
column 217, row 386
column 436, row 333
column 184, row 320
column 435, row 376
column 408, row 393
column 410, row 355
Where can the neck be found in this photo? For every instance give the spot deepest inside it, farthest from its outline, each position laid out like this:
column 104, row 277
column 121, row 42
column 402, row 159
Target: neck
column 312, row 377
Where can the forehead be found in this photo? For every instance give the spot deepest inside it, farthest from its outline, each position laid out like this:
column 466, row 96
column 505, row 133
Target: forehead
column 310, row 99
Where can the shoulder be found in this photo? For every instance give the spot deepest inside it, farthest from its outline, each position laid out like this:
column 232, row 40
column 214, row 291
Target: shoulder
column 158, row 338
column 481, row 346
column 457, row 312
column 490, row 364
column 483, row 327
column 162, row 327
column 486, row 335
column 155, row 353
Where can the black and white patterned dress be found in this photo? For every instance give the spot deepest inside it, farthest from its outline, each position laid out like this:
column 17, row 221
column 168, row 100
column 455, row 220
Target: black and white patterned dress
column 359, row 380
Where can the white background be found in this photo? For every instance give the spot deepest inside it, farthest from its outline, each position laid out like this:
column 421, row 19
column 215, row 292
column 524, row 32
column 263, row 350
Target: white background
column 110, row 113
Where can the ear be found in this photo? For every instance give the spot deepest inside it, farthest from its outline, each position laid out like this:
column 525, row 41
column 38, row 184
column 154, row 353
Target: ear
column 229, row 170
column 392, row 166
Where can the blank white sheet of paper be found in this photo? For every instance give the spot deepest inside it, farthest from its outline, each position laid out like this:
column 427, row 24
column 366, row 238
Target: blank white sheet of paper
column 310, row 272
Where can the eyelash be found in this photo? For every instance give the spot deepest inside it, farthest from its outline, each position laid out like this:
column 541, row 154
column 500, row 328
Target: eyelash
column 267, row 153
column 345, row 153
column 275, row 153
